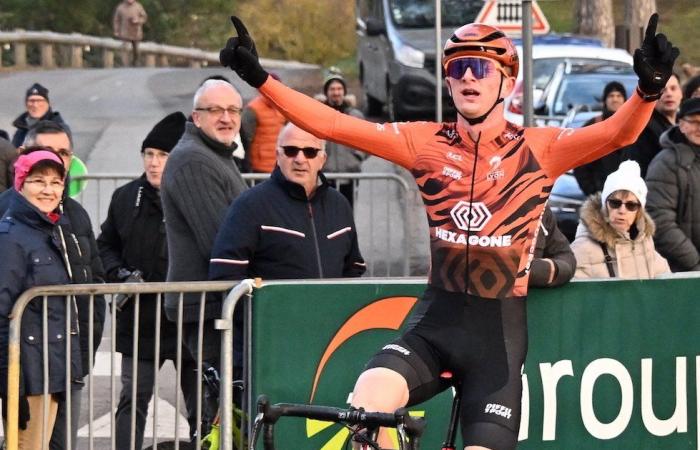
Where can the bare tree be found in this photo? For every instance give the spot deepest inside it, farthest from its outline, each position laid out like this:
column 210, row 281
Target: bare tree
column 595, row 18
column 637, row 14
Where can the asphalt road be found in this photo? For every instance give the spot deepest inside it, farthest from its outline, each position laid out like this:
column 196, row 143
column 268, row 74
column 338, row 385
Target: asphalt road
column 111, row 111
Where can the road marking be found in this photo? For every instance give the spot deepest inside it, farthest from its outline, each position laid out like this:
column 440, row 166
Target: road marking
column 101, row 427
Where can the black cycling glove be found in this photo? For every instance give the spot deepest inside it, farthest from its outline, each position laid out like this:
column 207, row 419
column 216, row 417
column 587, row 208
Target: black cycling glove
column 240, row 55
column 653, row 62
column 23, row 411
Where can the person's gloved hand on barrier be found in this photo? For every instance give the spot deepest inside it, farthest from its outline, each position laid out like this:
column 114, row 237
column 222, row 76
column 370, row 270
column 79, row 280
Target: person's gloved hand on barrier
column 23, row 411
column 653, row 61
column 240, row 55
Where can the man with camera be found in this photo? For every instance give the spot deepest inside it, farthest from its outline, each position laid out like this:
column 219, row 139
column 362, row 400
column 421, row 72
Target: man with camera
column 133, row 248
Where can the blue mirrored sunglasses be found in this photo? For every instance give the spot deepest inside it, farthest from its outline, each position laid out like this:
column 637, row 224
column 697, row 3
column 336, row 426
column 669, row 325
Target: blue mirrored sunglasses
column 481, row 67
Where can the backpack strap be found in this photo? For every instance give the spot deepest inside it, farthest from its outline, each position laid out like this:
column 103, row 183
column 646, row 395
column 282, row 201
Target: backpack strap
column 608, row 260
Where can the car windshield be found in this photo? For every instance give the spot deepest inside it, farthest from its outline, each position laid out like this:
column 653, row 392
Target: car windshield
column 421, row 13
column 587, row 89
column 543, row 68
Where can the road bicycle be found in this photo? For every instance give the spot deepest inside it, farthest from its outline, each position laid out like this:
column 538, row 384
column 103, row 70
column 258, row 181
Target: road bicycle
column 363, row 425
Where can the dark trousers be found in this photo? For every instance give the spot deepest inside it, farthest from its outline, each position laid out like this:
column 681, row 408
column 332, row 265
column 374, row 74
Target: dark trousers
column 144, row 391
column 58, row 437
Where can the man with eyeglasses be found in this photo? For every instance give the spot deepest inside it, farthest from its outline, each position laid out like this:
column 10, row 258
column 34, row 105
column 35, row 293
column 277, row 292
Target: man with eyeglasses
column 85, row 264
column 673, row 180
column 133, row 248
column 292, row 226
column 38, row 108
column 485, row 184
column 199, row 183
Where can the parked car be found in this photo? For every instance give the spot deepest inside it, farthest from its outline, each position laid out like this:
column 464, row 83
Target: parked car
column 396, row 53
column 547, row 55
column 576, row 84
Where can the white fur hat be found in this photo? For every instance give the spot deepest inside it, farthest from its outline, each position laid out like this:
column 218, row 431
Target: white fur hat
column 626, row 178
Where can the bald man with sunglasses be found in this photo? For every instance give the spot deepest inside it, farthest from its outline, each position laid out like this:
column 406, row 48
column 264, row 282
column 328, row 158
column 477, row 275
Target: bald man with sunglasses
column 291, row 226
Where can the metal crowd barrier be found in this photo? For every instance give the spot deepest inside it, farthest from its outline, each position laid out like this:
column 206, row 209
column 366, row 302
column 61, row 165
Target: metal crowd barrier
column 89, row 292
column 381, row 204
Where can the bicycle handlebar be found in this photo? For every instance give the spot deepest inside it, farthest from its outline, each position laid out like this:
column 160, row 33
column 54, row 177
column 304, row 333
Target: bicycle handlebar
column 408, row 426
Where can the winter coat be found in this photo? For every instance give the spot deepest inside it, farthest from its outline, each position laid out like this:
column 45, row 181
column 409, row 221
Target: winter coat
column 133, row 237
column 86, row 267
column 552, row 244
column 32, row 256
column 23, row 123
column 340, row 157
column 199, row 183
column 673, row 201
column 261, row 124
column 274, row 231
column 591, row 177
column 8, row 154
column 647, row 145
column 128, row 21
column 632, row 257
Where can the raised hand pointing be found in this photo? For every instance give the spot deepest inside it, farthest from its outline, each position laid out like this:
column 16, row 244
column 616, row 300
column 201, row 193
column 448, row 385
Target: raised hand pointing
column 241, row 56
column 653, row 62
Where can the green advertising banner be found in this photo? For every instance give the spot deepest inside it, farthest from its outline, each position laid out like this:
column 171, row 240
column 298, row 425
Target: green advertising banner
column 611, row 365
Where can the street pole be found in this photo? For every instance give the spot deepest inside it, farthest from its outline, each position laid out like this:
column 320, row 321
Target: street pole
column 438, row 61
column 526, row 66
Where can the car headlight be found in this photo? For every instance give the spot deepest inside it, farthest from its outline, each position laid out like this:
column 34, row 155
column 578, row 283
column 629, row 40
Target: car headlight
column 409, row 56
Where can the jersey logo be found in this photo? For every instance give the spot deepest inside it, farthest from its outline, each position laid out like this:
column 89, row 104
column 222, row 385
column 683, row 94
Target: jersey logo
column 470, row 218
column 454, row 156
column 452, row 173
column 495, row 172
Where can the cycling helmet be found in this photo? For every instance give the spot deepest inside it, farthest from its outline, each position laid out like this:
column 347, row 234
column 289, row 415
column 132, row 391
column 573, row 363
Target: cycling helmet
column 478, row 39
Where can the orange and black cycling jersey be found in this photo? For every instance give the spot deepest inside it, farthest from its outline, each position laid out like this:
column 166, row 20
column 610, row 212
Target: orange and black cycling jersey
column 484, row 197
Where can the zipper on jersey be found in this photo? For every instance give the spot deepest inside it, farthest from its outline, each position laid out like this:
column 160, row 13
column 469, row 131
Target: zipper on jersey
column 471, row 203
column 313, row 231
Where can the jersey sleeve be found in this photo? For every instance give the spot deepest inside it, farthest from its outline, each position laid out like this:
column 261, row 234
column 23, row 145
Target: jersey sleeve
column 390, row 141
column 562, row 149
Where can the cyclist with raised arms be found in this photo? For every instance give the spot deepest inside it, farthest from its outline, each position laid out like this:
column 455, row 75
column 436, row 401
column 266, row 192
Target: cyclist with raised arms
column 484, row 183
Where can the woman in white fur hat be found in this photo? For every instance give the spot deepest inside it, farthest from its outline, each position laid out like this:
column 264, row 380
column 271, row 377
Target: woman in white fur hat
column 614, row 236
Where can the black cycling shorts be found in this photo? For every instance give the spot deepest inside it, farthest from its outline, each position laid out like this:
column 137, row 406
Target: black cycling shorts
column 482, row 343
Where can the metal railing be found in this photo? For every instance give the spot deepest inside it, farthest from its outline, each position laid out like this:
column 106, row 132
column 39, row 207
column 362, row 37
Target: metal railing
column 381, row 213
column 88, row 293
column 84, row 50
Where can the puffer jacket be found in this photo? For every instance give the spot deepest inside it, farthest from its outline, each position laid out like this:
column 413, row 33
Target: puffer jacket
column 32, row 256
column 86, row 267
column 632, row 257
column 673, row 201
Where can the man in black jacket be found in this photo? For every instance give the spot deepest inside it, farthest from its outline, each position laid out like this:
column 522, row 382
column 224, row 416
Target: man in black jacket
column 38, row 108
column 133, row 242
column 85, row 263
column 304, row 229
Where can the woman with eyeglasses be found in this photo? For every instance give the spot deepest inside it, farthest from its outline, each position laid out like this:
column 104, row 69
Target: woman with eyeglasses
column 33, row 243
column 615, row 235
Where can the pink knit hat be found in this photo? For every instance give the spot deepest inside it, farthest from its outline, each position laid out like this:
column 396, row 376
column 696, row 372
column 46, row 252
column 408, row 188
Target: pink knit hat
column 24, row 164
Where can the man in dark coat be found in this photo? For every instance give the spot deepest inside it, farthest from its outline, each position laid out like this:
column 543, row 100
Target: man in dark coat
column 647, row 145
column 8, row 154
column 674, row 182
column 554, row 263
column 85, row 263
column 133, row 239
column 591, row 176
column 36, row 101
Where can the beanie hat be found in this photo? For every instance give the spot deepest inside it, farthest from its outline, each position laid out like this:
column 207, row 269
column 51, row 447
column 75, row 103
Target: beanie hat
column 37, row 89
column 334, row 76
column 166, row 133
column 626, row 178
column 688, row 107
column 23, row 165
column 614, row 86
